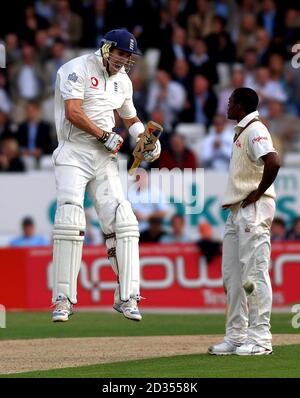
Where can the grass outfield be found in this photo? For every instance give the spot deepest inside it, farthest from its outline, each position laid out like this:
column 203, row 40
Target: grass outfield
column 31, row 325
column 284, row 363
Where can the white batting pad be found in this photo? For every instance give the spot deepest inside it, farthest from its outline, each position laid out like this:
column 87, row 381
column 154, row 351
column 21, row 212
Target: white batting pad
column 111, row 250
column 68, row 236
column 127, row 251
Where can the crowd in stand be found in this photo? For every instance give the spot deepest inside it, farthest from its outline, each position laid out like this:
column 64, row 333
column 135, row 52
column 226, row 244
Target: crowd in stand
column 153, row 231
column 280, row 231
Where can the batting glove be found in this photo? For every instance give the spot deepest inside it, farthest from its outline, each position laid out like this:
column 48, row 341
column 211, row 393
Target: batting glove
column 150, row 156
column 111, row 141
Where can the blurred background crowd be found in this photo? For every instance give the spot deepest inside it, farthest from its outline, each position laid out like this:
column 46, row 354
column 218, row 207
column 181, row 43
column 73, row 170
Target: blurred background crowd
column 195, row 53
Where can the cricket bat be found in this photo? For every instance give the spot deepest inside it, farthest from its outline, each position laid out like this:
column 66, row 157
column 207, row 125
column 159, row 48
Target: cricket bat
column 146, row 143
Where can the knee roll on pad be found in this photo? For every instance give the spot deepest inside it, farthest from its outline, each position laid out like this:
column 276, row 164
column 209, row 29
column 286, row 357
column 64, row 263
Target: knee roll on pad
column 126, row 222
column 127, row 251
column 68, row 237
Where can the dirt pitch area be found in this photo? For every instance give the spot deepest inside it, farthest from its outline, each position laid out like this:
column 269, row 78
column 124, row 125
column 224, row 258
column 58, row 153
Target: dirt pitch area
column 54, row 353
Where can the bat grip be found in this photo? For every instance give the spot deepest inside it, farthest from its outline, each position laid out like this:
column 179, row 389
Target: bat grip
column 134, row 166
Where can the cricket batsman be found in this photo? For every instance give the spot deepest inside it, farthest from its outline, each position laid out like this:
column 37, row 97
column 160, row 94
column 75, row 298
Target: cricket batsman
column 88, row 90
column 246, row 246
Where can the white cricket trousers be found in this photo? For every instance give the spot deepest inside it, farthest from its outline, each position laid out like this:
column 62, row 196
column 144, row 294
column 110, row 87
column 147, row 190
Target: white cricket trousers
column 245, row 264
column 78, row 168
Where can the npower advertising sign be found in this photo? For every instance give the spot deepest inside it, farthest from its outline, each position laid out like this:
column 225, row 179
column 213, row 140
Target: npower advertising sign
column 174, row 277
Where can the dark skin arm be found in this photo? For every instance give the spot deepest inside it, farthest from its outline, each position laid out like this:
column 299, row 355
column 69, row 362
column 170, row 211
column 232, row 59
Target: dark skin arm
column 271, row 168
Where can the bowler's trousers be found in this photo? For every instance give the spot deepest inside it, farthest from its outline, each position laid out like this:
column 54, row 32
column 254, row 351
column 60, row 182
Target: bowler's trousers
column 246, row 259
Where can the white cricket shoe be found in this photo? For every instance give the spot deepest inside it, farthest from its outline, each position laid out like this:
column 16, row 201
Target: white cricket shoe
column 252, row 348
column 224, row 348
column 63, row 308
column 129, row 308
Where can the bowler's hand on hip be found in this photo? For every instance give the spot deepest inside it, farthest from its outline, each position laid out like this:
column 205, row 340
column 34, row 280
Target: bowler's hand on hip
column 251, row 198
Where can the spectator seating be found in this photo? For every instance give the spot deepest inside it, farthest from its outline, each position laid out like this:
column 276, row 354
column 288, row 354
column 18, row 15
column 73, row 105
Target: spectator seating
column 224, row 75
column 291, row 159
column 151, row 57
column 46, row 162
column 193, row 134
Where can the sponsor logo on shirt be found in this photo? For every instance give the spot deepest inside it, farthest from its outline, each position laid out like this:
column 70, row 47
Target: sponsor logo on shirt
column 116, row 87
column 73, row 77
column 94, row 82
column 258, row 139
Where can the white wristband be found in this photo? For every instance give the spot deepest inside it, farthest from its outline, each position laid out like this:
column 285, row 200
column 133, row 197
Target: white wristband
column 136, row 129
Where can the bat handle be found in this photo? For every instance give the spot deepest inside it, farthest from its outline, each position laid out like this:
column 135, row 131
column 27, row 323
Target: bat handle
column 134, row 166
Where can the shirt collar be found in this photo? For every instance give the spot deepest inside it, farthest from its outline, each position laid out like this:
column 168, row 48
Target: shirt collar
column 242, row 123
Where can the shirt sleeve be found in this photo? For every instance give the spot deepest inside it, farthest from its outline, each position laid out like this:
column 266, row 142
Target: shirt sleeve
column 127, row 110
column 71, row 81
column 259, row 144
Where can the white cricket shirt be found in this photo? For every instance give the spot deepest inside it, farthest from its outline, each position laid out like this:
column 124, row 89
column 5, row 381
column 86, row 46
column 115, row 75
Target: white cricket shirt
column 86, row 78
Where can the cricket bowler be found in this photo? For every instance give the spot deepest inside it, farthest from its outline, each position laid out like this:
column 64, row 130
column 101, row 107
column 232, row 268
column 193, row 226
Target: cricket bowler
column 250, row 197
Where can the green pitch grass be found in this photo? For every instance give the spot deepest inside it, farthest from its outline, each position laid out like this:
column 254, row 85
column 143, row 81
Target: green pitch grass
column 284, row 363
column 33, row 325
